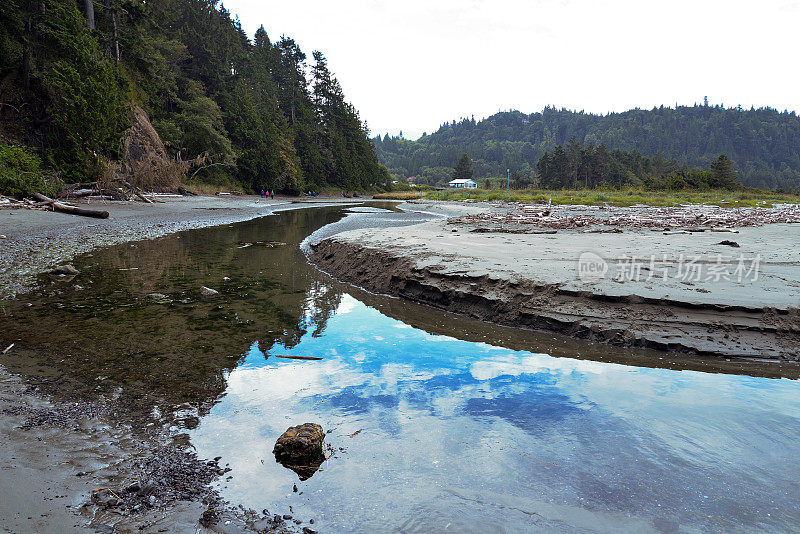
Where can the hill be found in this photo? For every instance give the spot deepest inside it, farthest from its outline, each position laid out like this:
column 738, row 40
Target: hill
column 76, row 74
column 763, row 144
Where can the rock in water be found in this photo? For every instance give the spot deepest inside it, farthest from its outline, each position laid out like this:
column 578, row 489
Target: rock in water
column 208, row 292
column 300, row 443
column 209, row 518
column 300, row 449
column 66, row 270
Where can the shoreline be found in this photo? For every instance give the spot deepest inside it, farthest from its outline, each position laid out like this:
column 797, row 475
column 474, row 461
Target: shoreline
column 35, row 240
column 528, row 281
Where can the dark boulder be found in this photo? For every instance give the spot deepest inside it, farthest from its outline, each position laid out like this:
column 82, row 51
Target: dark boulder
column 300, row 449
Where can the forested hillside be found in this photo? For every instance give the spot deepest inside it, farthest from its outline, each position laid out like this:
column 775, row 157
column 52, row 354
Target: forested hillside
column 763, row 144
column 72, row 71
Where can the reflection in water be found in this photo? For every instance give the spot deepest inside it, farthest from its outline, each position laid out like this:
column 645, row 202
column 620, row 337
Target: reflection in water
column 105, row 332
column 431, row 431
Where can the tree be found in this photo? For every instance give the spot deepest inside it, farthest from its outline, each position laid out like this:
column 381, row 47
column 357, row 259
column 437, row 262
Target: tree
column 89, row 6
column 463, row 168
column 722, row 173
column 574, row 156
column 70, row 68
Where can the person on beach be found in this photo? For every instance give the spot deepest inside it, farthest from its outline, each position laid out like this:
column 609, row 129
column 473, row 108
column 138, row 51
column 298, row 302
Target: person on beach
column 272, row 194
column 262, row 193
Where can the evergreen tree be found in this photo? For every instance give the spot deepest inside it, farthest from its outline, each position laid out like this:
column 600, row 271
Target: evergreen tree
column 722, row 172
column 72, row 66
column 463, row 168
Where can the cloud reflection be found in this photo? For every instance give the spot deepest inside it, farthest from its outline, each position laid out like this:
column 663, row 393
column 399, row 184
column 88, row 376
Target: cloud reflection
column 627, row 446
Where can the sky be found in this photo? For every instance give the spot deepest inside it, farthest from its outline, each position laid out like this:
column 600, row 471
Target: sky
column 411, row 65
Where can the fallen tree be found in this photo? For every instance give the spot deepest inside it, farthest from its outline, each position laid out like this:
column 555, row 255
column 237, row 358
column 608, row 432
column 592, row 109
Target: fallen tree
column 68, row 208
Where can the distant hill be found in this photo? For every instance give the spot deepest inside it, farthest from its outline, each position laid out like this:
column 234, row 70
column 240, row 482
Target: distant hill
column 764, row 144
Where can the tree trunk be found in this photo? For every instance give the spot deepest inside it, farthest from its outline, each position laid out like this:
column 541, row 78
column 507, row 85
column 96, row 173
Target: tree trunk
column 116, row 36
column 66, row 208
column 89, row 13
column 26, row 63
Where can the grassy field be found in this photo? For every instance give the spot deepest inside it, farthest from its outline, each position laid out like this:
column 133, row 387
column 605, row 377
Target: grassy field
column 627, row 197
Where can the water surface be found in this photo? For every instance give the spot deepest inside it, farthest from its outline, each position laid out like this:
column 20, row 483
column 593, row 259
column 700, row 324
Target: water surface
column 436, row 434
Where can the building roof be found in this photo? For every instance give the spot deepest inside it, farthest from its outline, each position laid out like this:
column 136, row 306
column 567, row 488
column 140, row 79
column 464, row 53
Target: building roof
column 461, row 181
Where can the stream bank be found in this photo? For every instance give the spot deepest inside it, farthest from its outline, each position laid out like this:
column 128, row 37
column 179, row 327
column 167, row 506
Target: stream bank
column 532, row 279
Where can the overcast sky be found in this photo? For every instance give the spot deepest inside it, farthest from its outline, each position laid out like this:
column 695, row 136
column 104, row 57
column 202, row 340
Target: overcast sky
column 412, row 64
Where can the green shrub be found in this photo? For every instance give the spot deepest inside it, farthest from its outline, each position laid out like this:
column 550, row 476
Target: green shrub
column 20, row 171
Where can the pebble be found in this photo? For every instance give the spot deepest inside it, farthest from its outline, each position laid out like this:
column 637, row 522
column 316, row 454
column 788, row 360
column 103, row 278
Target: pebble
column 208, row 292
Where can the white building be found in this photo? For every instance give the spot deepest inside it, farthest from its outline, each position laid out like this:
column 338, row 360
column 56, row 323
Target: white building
column 463, row 183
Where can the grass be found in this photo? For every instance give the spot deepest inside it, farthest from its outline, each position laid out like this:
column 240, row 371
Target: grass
column 401, row 195
column 626, row 197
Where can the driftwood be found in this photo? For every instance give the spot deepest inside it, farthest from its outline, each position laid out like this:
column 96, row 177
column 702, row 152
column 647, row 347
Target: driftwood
column 141, row 196
column 73, row 210
column 115, row 189
column 297, row 357
column 691, row 218
column 78, row 193
column 185, row 192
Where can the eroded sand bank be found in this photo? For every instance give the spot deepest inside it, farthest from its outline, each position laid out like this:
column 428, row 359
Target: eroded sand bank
column 656, row 288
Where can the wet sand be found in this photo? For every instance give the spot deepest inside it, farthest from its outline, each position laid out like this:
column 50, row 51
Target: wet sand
column 532, row 280
column 55, row 454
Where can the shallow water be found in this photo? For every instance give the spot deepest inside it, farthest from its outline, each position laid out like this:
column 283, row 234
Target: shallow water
column 441, row 434
column 437, row 423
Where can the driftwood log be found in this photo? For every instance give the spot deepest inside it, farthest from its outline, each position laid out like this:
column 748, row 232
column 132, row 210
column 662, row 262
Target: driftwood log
column 185, row 192
column 73, row 210
column 141, row 196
